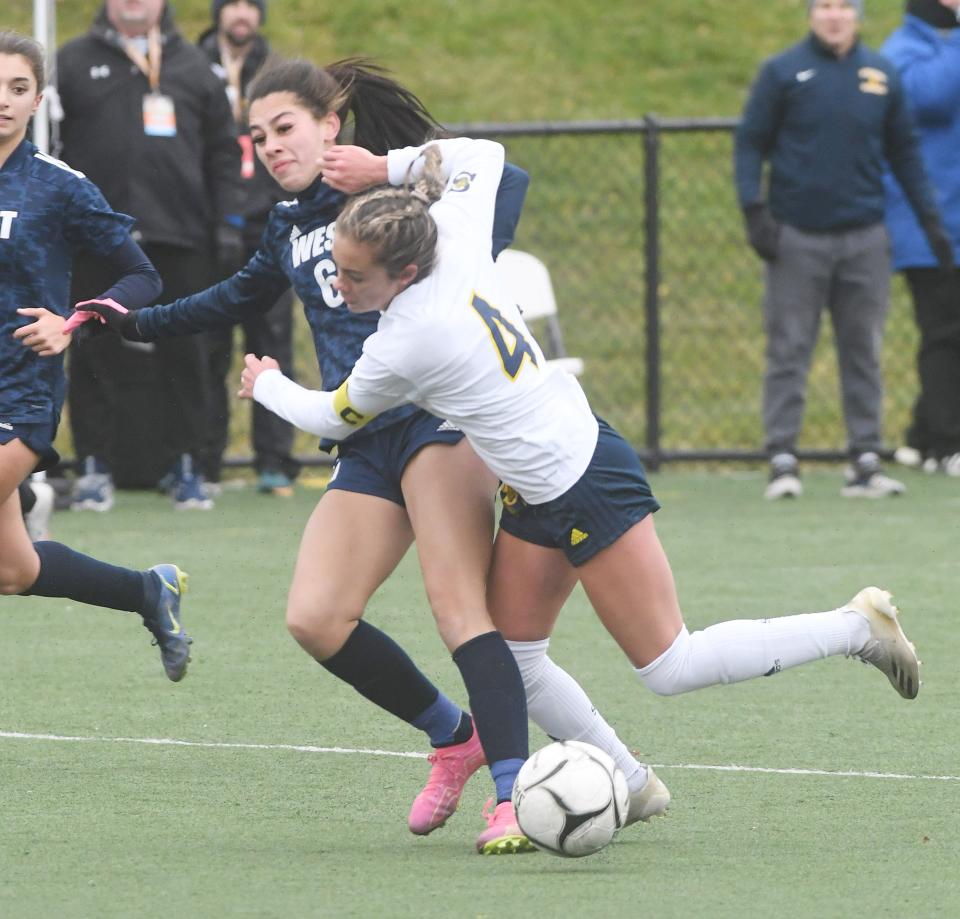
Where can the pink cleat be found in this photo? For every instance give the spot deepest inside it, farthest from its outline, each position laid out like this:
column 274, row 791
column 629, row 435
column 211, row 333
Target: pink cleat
column 452, row 767
column 503, row 835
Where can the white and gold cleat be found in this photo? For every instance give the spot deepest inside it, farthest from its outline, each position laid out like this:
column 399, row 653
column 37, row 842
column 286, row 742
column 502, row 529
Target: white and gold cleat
column 650, row 801
column 888, row 649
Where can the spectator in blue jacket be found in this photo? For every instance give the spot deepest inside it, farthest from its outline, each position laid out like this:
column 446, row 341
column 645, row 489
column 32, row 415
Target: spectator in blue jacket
column 926, row 52
column 829, row 114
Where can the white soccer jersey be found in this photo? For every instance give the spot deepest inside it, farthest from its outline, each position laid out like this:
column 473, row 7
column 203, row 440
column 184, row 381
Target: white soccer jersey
column 456, row 345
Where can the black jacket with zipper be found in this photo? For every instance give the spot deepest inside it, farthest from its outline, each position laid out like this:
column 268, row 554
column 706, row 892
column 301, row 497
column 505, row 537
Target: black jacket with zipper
column 178, row 188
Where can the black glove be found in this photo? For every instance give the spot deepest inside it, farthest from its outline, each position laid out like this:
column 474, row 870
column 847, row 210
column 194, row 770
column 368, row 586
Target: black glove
column 762, row 230
column 231, row 253
column 112, row 315
column 939, row 242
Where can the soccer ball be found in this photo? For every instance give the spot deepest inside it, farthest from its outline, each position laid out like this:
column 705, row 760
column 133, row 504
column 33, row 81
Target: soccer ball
column 570, row 798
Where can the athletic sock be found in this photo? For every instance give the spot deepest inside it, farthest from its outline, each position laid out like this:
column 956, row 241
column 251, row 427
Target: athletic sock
column 381, row 671
column 557, row 704
column 498, row 705
column 741, row 649
column 445, row 723
column 65, row 573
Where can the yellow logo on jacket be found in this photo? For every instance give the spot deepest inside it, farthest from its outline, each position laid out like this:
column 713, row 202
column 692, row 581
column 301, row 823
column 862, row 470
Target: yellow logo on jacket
column 873, row 81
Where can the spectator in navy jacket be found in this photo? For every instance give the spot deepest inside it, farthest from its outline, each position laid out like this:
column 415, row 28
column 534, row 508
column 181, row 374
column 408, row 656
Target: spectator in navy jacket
column 829, row 115
column 926, row 52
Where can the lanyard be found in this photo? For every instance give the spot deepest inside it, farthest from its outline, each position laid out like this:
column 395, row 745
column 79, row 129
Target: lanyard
column 150, row 65
column 233, row 66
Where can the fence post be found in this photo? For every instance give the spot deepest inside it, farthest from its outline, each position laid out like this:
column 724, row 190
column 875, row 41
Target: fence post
column 651, row 201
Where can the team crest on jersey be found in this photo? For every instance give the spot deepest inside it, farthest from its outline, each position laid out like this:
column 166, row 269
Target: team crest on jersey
column 462, row 180
column 873, row 81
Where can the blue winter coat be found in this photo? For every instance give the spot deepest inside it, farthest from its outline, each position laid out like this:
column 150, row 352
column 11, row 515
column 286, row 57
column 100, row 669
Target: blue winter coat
column 929, row 65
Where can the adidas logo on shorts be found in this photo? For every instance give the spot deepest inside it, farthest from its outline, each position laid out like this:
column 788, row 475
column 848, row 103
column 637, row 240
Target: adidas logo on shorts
column 577, row 536
column 447, row 426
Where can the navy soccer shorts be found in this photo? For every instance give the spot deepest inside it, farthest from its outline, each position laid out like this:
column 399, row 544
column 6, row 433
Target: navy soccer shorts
column 611, row 496
column 373, row 464
column 38, row 436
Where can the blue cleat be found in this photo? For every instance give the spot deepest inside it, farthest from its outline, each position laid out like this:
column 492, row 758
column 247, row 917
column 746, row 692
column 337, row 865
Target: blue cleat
column 163, row 621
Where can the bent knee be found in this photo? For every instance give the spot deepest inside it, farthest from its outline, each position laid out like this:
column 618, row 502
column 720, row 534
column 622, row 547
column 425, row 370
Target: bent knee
column 15, row 579
column 668, row 674
column 319, row 628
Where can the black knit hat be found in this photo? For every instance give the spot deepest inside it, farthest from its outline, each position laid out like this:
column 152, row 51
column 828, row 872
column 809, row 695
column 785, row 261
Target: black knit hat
column 934, row 13
column 218, row 5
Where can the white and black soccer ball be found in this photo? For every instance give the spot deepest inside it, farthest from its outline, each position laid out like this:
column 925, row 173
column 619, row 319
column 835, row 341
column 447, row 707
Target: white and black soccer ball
column 571, row 798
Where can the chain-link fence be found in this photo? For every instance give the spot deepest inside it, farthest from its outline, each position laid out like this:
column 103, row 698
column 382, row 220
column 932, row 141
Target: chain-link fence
column 659, row 293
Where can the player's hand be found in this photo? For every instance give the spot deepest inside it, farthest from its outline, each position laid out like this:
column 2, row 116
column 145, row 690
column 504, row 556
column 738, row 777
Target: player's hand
column 253, row 366
column 46, row 335
column 351, row 169
column 113, row 315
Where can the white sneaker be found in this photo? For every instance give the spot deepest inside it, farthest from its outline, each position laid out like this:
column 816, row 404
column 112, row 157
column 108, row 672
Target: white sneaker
column 38, row 520
column 908, row 456
column 865, row 480
column 784, row 479
column 951, row 465
column 888, row 649
column 650, row 801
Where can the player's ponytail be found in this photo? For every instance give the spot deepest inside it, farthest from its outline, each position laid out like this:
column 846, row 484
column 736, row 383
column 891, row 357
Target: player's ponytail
column 375, row 111
column 379, row 114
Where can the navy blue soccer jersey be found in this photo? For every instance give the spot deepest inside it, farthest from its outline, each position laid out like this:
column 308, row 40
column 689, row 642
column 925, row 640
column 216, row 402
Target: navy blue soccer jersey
column 47, row 211
column 295, row 251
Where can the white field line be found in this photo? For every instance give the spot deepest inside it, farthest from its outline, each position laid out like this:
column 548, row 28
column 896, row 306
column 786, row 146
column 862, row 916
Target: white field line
column 298, row 748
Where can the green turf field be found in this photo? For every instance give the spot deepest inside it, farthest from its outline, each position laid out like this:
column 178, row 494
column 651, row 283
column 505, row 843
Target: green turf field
column 261, row 787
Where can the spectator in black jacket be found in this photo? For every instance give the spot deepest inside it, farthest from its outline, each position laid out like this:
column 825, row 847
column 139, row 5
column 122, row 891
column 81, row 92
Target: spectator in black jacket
column 236, row 50
column 829, row 114
column 147, row 121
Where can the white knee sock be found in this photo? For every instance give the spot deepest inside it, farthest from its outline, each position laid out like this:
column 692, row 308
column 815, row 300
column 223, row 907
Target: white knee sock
column 557, row 703
column 744, row 648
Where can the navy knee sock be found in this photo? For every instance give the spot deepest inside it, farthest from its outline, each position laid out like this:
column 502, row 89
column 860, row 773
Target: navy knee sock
column 65, row 573
column 381, row 671
column 498, row 705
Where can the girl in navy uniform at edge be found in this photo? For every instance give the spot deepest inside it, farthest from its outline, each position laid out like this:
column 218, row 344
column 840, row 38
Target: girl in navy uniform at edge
column 577, row 502
column 408, row 474
column 46, row 211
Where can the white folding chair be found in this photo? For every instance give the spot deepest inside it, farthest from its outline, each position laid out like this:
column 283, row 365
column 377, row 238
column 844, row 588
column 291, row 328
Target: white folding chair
column 526, row 278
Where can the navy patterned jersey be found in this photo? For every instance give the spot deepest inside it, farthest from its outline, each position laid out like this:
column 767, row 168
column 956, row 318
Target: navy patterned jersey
column 47, row 210
column 294, row 251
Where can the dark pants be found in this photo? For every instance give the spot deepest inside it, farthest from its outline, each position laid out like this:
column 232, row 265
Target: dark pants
column 114, row 383
column 268, row 334
column 935, row 428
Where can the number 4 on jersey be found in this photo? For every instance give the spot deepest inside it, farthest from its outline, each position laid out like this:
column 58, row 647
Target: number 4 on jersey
column 507, row 339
